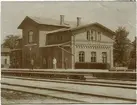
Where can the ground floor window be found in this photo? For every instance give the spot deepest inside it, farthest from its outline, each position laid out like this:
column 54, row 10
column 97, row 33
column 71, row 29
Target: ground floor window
column 81, row 56
column 104, row 57
column 93, row 56
column 5, row 61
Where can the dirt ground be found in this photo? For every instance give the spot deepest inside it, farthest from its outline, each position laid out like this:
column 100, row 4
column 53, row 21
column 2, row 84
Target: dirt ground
column 13, row 97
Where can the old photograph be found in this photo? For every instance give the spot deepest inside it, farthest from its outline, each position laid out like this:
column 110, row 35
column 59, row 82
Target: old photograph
column 68, row 52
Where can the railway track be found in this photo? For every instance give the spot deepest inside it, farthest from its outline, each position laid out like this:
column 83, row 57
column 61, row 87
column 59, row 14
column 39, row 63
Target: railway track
column 91, row 83
column 19, row 84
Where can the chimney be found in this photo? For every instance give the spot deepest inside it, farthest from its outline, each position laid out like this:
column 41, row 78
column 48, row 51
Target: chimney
column 61, row 19
column 78, row 21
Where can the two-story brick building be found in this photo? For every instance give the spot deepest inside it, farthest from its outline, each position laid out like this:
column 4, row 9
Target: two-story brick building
column 71, row 43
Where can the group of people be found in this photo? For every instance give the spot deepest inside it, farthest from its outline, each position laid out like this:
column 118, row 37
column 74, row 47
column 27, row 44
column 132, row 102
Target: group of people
column 54, row 63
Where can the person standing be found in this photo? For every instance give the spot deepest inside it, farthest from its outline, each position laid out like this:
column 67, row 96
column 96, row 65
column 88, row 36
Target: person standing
column 44, row 62
column 54, row 63
column 65, row 63
column 32, row 64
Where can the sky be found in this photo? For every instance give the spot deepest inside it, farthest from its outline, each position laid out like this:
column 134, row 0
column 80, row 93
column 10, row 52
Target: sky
column 110, row 14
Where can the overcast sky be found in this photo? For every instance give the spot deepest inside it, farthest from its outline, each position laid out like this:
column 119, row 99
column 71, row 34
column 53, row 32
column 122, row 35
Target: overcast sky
column 110, row 14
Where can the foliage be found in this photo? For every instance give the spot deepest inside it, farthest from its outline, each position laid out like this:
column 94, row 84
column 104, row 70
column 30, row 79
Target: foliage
column 132, row 63
column 121, row 45
column 10, row 41
column 133, row 52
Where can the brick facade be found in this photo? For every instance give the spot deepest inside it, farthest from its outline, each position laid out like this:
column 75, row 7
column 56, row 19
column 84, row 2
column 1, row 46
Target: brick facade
column 48, row 43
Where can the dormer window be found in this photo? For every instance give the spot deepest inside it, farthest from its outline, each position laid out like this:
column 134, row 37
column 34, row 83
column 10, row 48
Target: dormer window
column 30, row 36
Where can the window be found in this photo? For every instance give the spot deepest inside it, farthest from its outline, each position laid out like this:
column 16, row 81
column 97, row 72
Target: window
column 5, row 61
column 94, row 35
column 93, row 56
column 91, row 35
column 104, row 57
column 88, row 35
column 30, row 37
column 81, row 56
column 99, row 36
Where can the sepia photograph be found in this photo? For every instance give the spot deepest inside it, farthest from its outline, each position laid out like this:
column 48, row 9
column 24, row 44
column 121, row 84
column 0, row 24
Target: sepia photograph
column 68, row 52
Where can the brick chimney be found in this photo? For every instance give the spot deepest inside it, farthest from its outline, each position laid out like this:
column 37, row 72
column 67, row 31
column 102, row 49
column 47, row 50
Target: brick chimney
column 78, row 21
column 61, row 19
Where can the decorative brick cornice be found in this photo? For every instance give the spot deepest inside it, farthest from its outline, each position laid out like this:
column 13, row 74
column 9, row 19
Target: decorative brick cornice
column 92, row 46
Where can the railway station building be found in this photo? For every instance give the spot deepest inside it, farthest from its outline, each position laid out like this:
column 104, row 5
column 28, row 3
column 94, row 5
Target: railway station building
column 73, row 44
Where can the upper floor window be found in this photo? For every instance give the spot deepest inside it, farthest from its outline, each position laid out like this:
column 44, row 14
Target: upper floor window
column 99, row 36
column 104, row 57
column 30, row 36
column 91, row 35
column 93, row 56
column 81, row 56
column 88, row 35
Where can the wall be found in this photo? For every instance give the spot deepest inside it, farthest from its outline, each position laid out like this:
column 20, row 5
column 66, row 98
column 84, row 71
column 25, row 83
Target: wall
column 105, row 45
column 82, row 36
column 48, row 53
column 88, row 54
column 58, row 38
column 26, row 46
column 42, row 38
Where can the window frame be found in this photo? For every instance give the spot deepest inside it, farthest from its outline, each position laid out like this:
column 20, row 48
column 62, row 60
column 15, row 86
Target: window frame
column 30, row 34
column 5, row 61
column 104, row 57
column 88, row 35
column 81, row 56
column 93, row 56
column 99, row 35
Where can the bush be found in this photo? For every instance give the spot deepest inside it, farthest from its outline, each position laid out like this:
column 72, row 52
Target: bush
column 90, row 65
column 132, row 64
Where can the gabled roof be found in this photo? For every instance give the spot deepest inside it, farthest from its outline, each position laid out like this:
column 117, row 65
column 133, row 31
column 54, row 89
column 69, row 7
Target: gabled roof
column 93, row 24
column 83, row 26
column 49, row 21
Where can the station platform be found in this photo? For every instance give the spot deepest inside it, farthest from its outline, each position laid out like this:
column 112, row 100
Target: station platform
column 60, row 70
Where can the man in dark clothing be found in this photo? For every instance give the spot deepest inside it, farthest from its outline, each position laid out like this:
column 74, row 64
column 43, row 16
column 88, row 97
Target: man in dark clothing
column 65, row 63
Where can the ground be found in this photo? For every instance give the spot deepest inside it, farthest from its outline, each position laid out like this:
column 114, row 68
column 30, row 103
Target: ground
column 13, row 97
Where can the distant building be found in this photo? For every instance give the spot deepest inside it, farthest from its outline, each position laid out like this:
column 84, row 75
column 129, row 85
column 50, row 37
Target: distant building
column 5, row 57
column 16, row 55
column 71, row 43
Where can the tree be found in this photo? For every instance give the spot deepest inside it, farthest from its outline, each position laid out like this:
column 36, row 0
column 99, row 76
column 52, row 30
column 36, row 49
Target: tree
column 10, row 41
column 121, row 45
column 133, row 52
column 132, row 63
